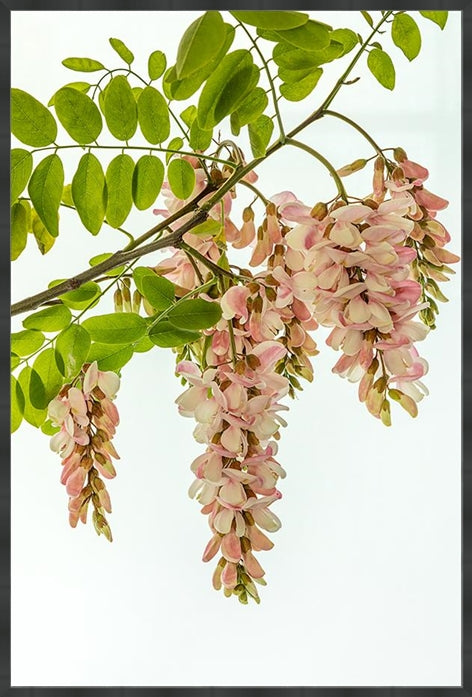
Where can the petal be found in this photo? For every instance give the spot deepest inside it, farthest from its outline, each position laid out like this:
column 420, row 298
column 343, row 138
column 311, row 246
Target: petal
column 231, row 547
column 90, row 378
column 223, row 520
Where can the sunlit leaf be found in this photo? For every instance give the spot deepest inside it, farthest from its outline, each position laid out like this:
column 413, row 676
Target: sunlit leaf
column 116, row 328
column 72, row 347
column 110, row 356
column 83, row 65
column 80, row 86
column 299, row 90
column 381, row 66
column 181, row 176
column 260, row 132
column 156, row 64
column 51, row 319
column 158, row 291
column 33, row 416
column 439, row 17
column 194, row 314
column 78, row 114
column 20, row 220
column 148, row 177
column 121, row 113
column 46, row 367
column 26, row 342
column 153, row 115
column 406, row 35
column 119, row 181
column 166, row 335
column 31, row 121
column 271, row 19
column 200, row 43
column 122, row 50
column 89, row 192
column 45, row 190
column 21, row 166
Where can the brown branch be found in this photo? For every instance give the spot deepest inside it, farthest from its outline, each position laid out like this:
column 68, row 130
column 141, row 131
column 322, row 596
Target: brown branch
column 117, row 259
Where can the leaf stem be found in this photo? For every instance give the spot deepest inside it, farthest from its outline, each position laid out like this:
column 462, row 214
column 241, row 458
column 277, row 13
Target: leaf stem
column 355, row 125
column 271, row 82
column 324, row 161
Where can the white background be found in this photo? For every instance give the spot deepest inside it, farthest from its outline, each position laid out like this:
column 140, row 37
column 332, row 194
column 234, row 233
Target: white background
column 364, row 579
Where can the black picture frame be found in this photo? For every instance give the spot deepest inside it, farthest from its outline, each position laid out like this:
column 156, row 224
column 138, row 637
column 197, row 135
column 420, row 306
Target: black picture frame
column 116, row 5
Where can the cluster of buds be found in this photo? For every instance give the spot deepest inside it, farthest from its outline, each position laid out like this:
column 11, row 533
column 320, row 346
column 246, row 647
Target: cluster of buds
column 87, row 418
column 428, row 236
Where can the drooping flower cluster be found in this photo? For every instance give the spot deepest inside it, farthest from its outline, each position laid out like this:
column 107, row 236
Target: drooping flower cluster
column 87, row 418
column 361, row 268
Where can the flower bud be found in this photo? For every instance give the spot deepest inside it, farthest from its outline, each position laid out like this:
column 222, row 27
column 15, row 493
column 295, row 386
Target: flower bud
column 118, row 300
column 319, row 211
column 248, row 214
column 126, row 297
column 399, row 154
column 137, row 297
column 351, row 168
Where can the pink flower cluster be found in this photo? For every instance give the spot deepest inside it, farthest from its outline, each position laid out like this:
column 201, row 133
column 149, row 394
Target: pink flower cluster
column 87, row 418
column 356, row 267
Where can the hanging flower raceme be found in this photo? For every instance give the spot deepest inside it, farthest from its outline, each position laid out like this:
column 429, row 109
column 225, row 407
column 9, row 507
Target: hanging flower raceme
column 87, row 418
column 363, row 259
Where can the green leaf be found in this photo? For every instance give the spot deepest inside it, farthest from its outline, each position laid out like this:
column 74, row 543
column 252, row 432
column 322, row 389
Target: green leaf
column 148, row 176
column 183, row 89
column 406, row 35
column 158, row 291
column 21, row 166
column 181, row 176
column 121, row 113
column 81, row 297
column 200, row 138
column 31, row 122
column 346, row 37
column 272, row 19
column 210, row 228
column 26, row 342
column 45, row 190
column 51, row 319
column 17, row 400
column 200, row 43
column 46, row 367
column 290, row 76
column 78, row 114
column 143, row 345
column 33, row 416
column 122, row 50
column 116, row 328
column 136, row 92
column 296, row 91
column 156, row 64
column 43, row 238
column 72, row 347
column 141, row 272
column 81, row 86
column 311, row 36
column 67, row 196
column 98, row 258
column 439, row 17
column 119, row 180
column 292, row 58
column 189, row 115
column 153, row 115
column 226, row 88
column 165, row 335
column 14, row 361
column 37, row 393
column 194, row 314
column 110, row 356
column 381, row 66
column 367, row 18
column 83, row 65
column 174, row 144
column 260, row 132
column 89, row 192
column 252, row 107
column 19, row 228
